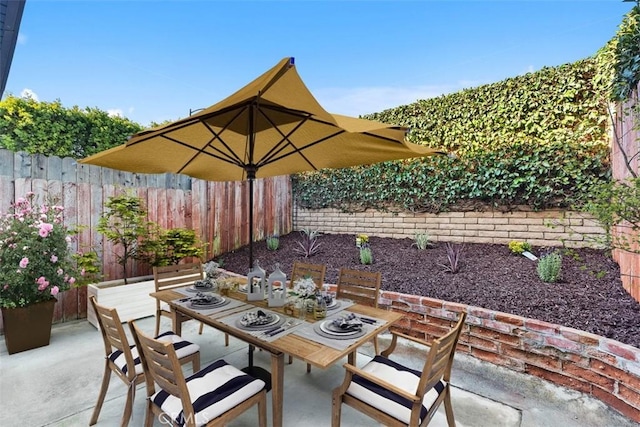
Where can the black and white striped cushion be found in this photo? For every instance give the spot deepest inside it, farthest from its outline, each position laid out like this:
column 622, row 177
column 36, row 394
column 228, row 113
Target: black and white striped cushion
column 213, row 391
column 183, row 348
column 387, row 401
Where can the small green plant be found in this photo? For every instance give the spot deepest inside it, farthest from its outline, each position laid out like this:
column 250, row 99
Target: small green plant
column 366, row 256
column 124, row 222
column 454, row 258
column 549, row 267
column 308, row 244
column 169, row 247
column 421, row 241
column 518, row 247
column 273, row 242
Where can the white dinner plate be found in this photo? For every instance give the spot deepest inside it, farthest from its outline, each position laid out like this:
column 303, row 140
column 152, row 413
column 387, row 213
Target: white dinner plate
column 328, row 327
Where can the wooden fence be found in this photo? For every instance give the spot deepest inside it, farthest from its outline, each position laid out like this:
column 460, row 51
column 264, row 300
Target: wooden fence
column 627, row 131
column 218, row 211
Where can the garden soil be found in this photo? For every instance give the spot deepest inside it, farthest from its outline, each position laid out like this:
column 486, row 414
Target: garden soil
column 589, row 296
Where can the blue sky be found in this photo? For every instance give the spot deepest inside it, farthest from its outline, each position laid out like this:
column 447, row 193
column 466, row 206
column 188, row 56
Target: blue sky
column 155, row 60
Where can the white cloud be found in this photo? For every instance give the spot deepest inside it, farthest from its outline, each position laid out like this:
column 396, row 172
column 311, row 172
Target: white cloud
column 365, row 100
column 115, row 112
column 22, row 39
column 29, row 94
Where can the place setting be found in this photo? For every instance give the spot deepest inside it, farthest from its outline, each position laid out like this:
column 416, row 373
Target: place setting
column 341, row 328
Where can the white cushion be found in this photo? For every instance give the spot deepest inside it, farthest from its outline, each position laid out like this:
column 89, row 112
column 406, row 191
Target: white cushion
column 213, row 391
column 183, row 348
column 387, row 401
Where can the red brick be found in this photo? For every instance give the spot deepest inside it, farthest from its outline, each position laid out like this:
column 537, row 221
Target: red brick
column 494, row 335
column 498, row 359
column 454, row 306
column 483, row 344
column 582, row 337
column 600, row 355
column 480, row 313
column 621, row 350
column 550, row 363
column 415, row 316
column 414, row 299
column 588, row 375
column 542, row 349
column 392, row 296
column 399, row 305
column 619, row 375
column 445, row 323
column 498, row 326
column 429, row 302
column 558, row 378
column 632, row 397
column 429, row 329
column 617, row 404
column 563, row 344
column 510, row 319
column 417, row 308
column 540, row 326
column 575, row 358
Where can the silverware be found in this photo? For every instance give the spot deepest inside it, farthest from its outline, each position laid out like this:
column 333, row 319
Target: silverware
column 290, row 324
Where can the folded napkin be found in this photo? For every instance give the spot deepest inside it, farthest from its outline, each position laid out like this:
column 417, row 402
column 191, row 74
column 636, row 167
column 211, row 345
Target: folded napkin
column 256, row 318
column 203, row 284
column 348, row 323
column 204, row 299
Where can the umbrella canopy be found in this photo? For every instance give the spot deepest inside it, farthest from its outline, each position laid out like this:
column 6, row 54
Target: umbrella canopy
column 272, row 126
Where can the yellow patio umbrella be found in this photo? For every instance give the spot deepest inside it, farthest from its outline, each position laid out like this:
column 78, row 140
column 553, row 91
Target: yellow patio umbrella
column 272, row 126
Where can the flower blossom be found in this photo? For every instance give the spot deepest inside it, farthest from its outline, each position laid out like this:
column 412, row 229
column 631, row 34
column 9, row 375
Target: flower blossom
column 24, row 262
column 42, row 283
column 54, row 291
column 44, row 229
column 54, row 259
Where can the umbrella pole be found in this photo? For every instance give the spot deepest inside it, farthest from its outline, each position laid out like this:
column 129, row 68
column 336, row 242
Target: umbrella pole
column 251, row 221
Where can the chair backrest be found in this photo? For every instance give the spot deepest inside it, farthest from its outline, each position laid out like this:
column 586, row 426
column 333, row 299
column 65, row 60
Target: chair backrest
column 440, row 359
column 315, row 271
column 361, row 287
column 113, row 334
column 173, row 276
column 161, row 366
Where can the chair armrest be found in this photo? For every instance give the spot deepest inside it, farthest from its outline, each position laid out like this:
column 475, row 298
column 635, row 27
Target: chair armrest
column 357, row 371
column 394, row 340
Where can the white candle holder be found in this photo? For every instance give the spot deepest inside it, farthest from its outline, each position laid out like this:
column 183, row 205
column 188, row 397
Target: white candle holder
column 256, row 283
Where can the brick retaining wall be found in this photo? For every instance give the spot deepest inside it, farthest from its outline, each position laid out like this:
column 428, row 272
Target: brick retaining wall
column 544, row 228
column 603, row 368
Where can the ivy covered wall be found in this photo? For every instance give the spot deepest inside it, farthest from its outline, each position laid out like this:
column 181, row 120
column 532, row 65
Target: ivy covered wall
column 540, row 140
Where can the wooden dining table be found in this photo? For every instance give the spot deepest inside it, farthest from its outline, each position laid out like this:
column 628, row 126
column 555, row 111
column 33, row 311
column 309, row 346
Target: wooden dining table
column 312, row 352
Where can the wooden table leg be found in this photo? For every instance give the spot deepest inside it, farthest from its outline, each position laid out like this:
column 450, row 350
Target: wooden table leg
column 351, row 358
column 277, row 387
column 175, row 320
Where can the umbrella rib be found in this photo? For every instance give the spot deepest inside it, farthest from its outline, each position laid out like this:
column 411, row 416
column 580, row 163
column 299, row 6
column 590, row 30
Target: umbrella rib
column 222, row 157
column 299, row 150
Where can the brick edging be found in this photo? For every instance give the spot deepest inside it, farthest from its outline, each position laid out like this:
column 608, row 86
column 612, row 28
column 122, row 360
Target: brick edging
column 601, row 367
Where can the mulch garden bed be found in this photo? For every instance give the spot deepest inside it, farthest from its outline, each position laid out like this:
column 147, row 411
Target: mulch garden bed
column 589, row 296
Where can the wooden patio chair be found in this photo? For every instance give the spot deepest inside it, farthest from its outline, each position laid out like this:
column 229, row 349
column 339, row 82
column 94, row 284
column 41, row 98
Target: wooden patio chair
column 315, row 271
column 362, row 287
column 212, row 397
column 396, row 395
column 175, row 276
column 124, row 360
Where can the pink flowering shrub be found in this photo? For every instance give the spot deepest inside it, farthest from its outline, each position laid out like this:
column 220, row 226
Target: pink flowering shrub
column 36, row 261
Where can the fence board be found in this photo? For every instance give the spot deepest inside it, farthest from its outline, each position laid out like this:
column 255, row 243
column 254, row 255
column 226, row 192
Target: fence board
column 217, row 211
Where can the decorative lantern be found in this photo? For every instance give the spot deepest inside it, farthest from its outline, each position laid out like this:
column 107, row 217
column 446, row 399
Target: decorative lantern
column 276, row 288
column 256, row 283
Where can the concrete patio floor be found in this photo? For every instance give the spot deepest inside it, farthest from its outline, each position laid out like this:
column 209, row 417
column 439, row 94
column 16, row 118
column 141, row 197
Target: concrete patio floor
column 58, row 385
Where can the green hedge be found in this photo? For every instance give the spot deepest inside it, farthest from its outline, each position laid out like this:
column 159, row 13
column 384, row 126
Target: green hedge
column 539, row 139
column 49, row 128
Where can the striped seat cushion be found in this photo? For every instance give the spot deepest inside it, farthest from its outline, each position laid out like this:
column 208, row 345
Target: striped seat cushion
column 213, row 391
column 183, row 348
column 387, row 401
